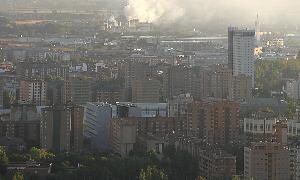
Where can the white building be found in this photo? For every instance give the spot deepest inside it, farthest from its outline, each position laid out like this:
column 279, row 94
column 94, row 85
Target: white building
column 259, row 126
column 241, row 45
column 293, row 128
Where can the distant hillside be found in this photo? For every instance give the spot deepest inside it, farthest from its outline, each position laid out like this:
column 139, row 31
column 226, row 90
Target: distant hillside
column 63, row 4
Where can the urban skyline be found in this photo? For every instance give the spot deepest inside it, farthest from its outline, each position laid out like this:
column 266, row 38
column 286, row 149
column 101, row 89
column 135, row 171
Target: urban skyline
column 150, row 89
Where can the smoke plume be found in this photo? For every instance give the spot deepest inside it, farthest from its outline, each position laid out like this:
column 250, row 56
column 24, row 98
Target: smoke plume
column 154, row 10
column 232, row 12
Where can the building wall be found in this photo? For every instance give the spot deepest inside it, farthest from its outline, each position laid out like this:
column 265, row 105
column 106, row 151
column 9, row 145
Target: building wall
column 220, row 81
column 135, row 71
column 56, row 92
column 98, row 115
column 293, row 89
column 147, row 90
column 293, row 128
column 259, row 126
column 145, row 109
column 241, row 88
column 266, row 160
column 217, row 165
column 109, row 96
column 96, row 124
column 295, row 161
column 122, row 136
column 24, row 123
column 55, row 128
column 179, row 104
column 28, row 131
column 41, row 70
column 33, row 92
column 215, row 120
column 80, row 90
column 177, row 80
column 213, row 163
column 1, row 92
column 123, row 131
column 241, row 58
column 77, row 114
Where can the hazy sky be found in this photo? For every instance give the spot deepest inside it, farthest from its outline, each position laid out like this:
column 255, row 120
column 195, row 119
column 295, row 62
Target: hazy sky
column 241, row 12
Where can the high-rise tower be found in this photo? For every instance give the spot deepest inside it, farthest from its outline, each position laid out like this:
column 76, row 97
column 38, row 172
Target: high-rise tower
column 241, row 44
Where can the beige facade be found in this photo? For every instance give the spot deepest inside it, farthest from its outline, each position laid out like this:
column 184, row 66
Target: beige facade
column 33, row 92
column 217, row 121
column 77, row 114
column 266, row 161
column 220, row 78
column 122, row 136
column 241, row 87
column 124, row 131
column 217, row 165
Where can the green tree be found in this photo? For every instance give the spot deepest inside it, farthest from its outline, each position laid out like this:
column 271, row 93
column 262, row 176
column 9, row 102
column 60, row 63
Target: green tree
column 152, row 173
column 235, row 178
column 271, row 75
column 3, row 160
column 18, row 176
column 179, row 164
column 292, row 108
column 40, row 154
column 200, row 178
column 6, row 100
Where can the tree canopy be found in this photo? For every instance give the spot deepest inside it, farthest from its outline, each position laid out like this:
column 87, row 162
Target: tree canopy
column 18, row 176
column 152, row 173
column 271, row 75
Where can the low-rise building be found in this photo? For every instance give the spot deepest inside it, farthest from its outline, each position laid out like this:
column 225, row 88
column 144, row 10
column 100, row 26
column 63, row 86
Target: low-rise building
column 39, row 170
column 124, row 132
column 23, row 123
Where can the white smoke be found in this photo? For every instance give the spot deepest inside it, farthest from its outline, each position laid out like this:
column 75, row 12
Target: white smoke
column 154, row 10
column 206, row 11
column 112, row 20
